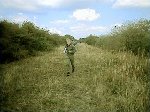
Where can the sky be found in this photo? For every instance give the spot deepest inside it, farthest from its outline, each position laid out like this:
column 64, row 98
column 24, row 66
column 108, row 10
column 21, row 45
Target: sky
column 78, row 18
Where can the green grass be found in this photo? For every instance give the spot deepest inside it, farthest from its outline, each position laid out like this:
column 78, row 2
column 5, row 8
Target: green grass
column 102, row 82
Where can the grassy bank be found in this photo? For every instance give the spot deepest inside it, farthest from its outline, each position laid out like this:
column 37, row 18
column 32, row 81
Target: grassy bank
column 103, row 82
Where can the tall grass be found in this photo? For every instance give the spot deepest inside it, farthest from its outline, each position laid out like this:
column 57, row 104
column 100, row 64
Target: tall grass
column 102, row 82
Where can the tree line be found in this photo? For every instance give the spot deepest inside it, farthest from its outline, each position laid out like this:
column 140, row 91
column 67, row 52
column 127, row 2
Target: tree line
column 132, row 36
column 18, row 41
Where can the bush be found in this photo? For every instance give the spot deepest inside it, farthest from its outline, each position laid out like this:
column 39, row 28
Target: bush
column 136, row 36
column 19, row 41
column 132, row 36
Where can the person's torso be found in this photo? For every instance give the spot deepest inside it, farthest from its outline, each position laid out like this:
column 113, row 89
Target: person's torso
column 70, row 49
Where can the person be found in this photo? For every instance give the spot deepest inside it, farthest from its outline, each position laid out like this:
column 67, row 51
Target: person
column 70, row 51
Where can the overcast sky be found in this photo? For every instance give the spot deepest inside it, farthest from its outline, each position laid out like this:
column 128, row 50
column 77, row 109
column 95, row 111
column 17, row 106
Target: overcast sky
column 78, row 18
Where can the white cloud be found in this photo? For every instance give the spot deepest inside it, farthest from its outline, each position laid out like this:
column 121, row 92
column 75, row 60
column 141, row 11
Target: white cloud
column 51, row 3
column 30, row 5
column 19, row 18
column 131, row 3
column 33, row 5
column 20, row 13
column 19, row 4
column 62, row 3
column 55, row 31
column 87, row 28
column 1, row 17
column 86, row 14
column 83, row 30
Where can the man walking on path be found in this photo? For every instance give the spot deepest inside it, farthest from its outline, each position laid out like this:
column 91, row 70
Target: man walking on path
column 70, row 50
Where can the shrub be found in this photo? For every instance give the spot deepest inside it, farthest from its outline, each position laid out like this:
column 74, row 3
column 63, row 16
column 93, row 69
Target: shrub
column 132, row 36
column 19, row 41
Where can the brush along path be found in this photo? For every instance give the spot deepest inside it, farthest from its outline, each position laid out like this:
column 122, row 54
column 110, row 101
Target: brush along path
column 102, row 82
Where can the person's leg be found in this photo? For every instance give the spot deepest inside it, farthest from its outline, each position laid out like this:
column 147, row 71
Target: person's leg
column 68, row 64
column 72, row 62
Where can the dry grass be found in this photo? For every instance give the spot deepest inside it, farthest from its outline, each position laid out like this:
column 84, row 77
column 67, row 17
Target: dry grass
column 102, row 82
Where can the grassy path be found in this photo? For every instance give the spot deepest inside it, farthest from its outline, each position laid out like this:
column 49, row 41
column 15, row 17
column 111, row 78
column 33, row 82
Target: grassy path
column 102, row 82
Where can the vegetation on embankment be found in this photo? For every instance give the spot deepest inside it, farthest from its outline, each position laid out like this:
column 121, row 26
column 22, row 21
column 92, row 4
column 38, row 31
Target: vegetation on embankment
column 18, row 41
column 131, row 36
column 102, row 81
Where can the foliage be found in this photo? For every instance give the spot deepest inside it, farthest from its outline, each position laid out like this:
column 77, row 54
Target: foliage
column 19, row 41
column 91, row 40
column 131, row 36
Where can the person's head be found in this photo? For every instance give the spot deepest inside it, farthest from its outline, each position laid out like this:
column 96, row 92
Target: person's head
column 68, row 41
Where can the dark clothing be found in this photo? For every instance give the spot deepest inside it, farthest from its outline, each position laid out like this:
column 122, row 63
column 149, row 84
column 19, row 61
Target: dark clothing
column 70, row 50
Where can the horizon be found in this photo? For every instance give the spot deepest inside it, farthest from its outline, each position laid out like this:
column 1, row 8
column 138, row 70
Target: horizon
column 77, row 18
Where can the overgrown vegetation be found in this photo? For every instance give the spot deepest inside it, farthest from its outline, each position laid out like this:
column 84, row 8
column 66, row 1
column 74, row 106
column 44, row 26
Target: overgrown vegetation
column 102, row 82
column 19, row 41
column 116, row 81
column 131, row 36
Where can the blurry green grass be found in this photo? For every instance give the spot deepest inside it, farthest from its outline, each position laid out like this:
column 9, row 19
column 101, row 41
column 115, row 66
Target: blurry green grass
column 102, row 82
